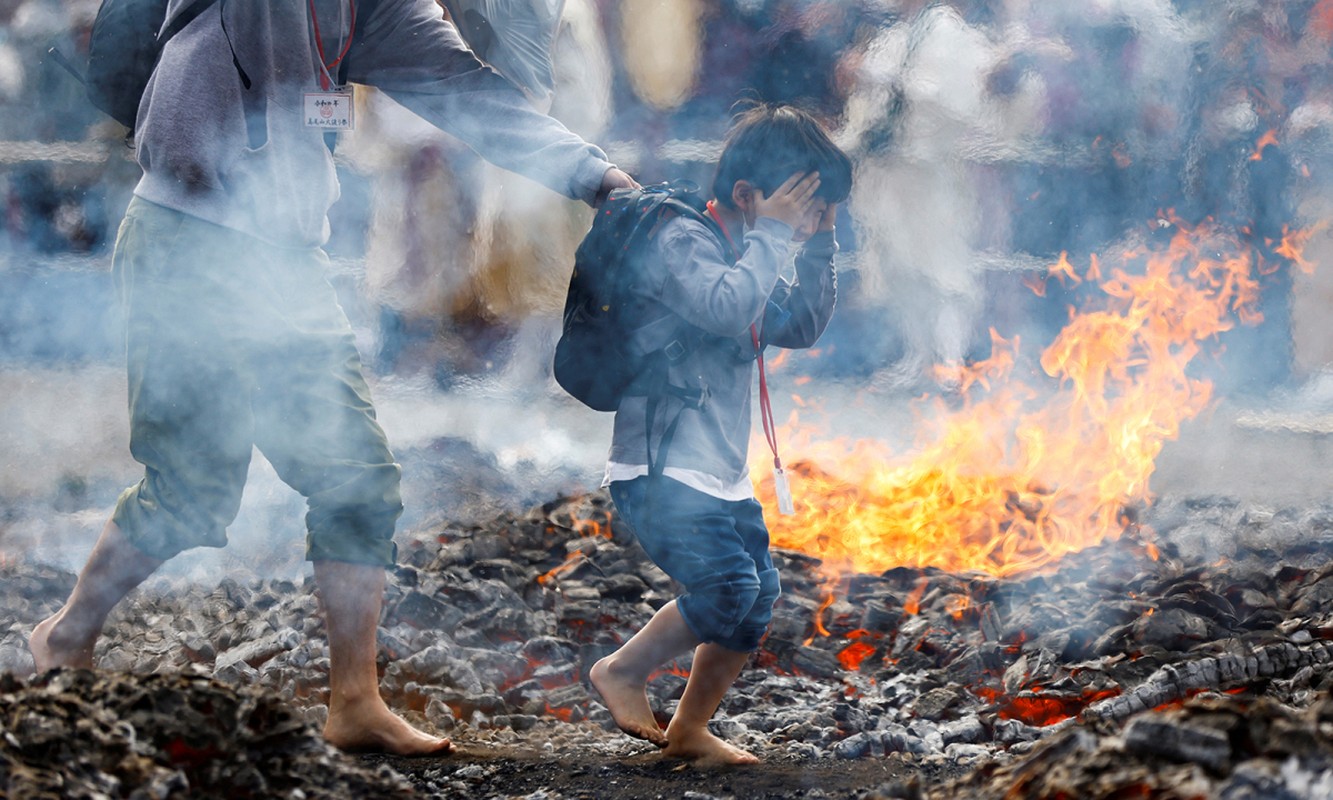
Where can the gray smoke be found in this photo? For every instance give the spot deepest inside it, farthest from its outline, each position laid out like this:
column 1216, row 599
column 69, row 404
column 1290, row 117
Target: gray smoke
column 989, row 137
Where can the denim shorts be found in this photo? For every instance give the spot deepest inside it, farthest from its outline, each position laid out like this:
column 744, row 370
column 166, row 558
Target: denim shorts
column 716, row 549
column 231, row 345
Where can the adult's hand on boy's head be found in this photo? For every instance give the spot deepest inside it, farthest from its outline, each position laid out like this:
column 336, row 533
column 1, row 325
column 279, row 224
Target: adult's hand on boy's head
column 614, row 178
column 791, row 201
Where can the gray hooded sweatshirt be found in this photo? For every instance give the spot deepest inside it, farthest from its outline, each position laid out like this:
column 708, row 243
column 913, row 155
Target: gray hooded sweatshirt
column 689, row 285
column 243, row 158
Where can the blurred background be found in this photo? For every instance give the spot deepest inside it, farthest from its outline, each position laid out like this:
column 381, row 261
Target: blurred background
column 992, row 138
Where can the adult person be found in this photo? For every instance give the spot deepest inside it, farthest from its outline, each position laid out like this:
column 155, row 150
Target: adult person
column 235, row 340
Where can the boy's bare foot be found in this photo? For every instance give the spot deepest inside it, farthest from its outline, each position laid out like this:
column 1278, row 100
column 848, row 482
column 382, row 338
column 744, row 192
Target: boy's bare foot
column 371, row 727
column 50, row 649
column 627, row 700
column 702, row 747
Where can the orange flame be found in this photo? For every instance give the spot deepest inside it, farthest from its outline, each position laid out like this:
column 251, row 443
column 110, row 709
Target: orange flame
column 819, row 615
column 1024, row 473
column 1064, row 271
column 573, row 560
column 912, row 605
column 593, row 527
column 957, row 605
column 1293, row 243
column 1269, row 137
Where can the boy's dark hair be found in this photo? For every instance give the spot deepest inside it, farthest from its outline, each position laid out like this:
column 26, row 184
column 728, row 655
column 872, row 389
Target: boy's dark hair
column 768, row 143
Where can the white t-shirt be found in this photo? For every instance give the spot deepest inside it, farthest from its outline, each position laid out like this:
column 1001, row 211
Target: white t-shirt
column 710, row 485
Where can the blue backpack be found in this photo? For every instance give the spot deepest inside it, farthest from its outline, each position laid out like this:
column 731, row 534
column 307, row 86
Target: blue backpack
column 593, row 360
column 124, row 47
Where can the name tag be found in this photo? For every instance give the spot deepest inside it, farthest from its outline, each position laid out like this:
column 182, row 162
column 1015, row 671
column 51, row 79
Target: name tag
column 329, row 111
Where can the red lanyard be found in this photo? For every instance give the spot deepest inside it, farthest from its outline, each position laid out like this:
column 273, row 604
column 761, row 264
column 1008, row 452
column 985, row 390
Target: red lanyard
column 765, row 407
column 327, row 67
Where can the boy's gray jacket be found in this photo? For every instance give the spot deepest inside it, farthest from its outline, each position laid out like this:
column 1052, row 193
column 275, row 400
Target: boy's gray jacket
column 243, row 158
column 688, row 280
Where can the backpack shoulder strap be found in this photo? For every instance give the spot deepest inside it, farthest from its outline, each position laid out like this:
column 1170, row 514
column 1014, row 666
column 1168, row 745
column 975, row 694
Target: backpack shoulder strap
column 690, row 205
column 363, row 11
column 186, row 15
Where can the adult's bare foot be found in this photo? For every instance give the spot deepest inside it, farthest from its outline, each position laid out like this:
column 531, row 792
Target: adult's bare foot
column 702, row 747
column 371, row 727
column 627, row 700
column 50, row 648
column 67, row 638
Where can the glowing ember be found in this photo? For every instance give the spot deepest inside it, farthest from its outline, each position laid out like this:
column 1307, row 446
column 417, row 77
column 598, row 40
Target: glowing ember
column 1035, row 708
column 575, row 558
column 563, row 714
column 853, row 654
column 1026, row 472
column 671, row 668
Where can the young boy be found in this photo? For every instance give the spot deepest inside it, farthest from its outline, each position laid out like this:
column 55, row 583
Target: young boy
column 778, row 181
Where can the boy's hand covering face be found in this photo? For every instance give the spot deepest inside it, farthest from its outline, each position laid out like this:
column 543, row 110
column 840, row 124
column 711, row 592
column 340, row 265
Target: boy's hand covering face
column 791, row 202
column 827, row 217
column 813, row 221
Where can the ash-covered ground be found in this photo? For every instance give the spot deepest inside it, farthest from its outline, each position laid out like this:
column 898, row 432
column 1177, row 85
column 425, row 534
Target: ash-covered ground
column 1119, row 672
column 1190, row 658
column 1201, row 672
